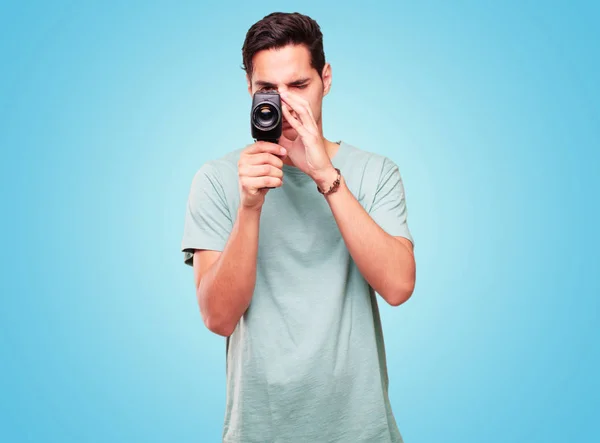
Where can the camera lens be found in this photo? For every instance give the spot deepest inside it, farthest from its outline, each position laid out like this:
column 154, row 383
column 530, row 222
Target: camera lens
column 266, row 116
column 266, row 112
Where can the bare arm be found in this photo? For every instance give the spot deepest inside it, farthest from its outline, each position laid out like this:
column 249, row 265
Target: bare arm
column 386, row 262
column 225, row 280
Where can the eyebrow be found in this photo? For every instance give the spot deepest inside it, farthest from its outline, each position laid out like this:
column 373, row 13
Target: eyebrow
column 264, row 84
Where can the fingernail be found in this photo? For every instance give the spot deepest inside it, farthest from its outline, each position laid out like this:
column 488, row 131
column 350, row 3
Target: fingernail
column 283, row 151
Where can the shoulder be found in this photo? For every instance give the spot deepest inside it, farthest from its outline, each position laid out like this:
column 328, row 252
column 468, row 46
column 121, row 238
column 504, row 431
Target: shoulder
column 221, row 170
column 217, row 179
column 370, row 164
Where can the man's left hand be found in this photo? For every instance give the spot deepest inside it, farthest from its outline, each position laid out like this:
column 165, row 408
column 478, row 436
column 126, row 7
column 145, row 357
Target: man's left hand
column 313, row 158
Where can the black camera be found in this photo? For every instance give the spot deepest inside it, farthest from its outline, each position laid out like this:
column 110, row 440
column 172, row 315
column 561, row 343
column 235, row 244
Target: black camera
column 266, row 118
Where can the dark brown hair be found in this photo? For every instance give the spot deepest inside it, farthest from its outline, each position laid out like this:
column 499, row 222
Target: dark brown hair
column 280, row 29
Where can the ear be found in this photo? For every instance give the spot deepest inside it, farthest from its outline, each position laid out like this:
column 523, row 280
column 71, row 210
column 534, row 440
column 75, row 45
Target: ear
column 326, row 76
column 249, row 84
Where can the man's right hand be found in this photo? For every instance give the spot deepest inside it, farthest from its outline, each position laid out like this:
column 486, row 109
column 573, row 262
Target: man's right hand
column 260, row 167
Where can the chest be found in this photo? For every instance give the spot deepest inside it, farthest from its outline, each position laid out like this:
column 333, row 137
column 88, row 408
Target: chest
column 297, row 224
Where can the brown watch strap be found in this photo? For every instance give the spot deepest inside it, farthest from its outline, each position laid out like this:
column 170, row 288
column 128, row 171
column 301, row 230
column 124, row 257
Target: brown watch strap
column 334, row 186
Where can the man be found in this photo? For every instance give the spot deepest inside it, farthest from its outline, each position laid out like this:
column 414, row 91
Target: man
column 291, row 280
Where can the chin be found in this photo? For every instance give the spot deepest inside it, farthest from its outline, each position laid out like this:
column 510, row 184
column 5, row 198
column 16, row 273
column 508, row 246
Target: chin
column 290, row 133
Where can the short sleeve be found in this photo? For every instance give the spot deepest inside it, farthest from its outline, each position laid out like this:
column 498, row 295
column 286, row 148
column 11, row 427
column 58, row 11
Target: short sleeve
column 389, row 204
column 208, row 221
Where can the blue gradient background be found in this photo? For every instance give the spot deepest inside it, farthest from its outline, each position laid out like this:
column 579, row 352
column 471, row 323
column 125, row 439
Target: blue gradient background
column 489, row 109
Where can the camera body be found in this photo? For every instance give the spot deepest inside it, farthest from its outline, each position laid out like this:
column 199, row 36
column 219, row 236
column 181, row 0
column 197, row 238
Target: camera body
column 266, row 117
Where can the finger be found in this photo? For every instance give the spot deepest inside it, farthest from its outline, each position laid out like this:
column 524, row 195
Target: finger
column 263, row 158
column 296, row 99
column 294, row 122
column 302, row 108
column 295, row 105
column 261, row 182
column 262, row 146
column 303, row 117
column 260, row 171
column 304, row 103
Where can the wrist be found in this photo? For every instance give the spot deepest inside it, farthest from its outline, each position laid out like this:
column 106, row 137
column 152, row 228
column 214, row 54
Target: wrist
column 325, row 179
column 254, row 210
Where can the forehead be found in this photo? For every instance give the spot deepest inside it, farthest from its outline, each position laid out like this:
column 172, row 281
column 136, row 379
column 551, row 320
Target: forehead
column 282, row 64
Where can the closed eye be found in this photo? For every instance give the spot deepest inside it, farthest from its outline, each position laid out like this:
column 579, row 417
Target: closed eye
column 271, row 88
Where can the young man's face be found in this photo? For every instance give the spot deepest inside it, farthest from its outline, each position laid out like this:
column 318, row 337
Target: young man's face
column 289, row 69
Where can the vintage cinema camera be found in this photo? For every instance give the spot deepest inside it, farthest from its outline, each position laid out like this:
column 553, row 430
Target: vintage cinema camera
column 266, row 117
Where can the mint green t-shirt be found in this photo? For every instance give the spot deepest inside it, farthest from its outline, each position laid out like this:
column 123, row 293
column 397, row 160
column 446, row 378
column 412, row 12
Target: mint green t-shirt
column 306, row 362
